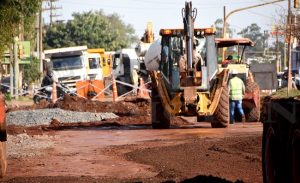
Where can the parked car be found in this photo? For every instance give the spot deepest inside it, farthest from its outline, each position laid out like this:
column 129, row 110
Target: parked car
column 5, row 84
column 283, row 78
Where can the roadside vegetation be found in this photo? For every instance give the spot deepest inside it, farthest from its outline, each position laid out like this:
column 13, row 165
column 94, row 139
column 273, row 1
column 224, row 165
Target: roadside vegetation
column 94, row 29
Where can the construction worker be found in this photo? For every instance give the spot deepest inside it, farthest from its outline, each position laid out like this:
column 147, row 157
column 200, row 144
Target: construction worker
column 47, row 80
column 236, row 92
column 227, row 61
column 197, row 59
column 47, row 83
column 135, row 78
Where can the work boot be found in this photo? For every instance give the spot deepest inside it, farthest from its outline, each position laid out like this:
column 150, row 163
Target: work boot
column 243, row 119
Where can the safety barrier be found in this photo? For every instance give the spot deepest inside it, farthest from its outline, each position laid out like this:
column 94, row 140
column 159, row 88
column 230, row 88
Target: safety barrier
column 140, row 88
column 143, row 91
column 90, row 89
column 83, row 87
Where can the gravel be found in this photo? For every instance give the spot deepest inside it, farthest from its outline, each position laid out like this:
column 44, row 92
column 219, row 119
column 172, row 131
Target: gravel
column 23, row 145
column 45, row 116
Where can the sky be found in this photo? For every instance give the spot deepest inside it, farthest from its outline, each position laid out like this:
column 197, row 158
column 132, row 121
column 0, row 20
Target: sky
column 167, row 13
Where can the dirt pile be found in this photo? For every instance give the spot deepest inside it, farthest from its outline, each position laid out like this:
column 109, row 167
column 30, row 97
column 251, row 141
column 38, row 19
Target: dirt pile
column 131, row 111
column 127, row 107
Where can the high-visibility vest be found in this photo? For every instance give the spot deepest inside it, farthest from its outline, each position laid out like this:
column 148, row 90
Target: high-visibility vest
column 237, row 88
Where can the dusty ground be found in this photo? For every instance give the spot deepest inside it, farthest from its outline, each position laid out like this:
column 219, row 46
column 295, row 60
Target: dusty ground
column 128, row 150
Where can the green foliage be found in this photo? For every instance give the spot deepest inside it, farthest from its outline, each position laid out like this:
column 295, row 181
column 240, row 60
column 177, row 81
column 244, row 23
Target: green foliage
column 94, row 29
column 14, row 13
column 31, row 71
column 253, row 32
column 219, row 28
column 7, row 96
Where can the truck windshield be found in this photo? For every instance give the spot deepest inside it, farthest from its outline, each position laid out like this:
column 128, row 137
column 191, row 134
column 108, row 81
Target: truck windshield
column 94, row 63
column 64, row 63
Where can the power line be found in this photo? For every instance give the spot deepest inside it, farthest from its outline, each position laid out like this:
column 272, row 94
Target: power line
column 259, row 14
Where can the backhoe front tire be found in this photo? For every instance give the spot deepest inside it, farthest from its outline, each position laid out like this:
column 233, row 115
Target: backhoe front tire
column 221, row 115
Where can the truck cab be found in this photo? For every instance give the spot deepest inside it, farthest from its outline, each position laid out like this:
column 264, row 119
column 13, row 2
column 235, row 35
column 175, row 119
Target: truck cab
column 71, row 64
column 124, row 61
column 105, row 60
column 94, row 67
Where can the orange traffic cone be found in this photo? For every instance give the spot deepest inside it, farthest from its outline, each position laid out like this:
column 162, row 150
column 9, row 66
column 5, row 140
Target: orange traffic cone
column 143, row 93
column 54, row 93
column 114, row 88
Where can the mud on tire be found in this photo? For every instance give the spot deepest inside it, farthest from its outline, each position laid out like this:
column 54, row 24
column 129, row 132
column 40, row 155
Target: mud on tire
column 221, row 115
column 252, row 112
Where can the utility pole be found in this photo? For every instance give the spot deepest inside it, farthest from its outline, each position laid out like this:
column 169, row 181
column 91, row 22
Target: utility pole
column 39, row 27
column 238, row 10
column 16, row 68
column 40, row 42
column 11, row 69
column 289, row 36
column 277, row 48
column 51, row 8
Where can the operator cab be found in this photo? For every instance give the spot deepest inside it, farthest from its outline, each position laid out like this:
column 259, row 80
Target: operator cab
column 173, row 51
column 235, row 47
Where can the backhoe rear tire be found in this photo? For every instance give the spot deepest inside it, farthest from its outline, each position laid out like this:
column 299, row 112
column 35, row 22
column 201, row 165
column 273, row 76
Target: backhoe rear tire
column 160, row 118
column 253, row 113
column 221, row 115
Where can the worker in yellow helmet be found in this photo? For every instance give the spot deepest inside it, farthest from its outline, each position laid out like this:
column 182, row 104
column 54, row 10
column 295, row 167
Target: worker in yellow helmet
column 236, row 92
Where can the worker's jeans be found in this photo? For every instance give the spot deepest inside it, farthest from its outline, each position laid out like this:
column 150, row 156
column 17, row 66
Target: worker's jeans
column 235, row 104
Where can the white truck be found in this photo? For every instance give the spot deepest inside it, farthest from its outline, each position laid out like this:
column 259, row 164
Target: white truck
column 72, row 64
column 94, row 69
column 123, row 62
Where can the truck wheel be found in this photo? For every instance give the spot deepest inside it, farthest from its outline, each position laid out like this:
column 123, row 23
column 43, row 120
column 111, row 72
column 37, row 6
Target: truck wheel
column 3, row 162
column 121, row 89
column 253, row 113
column 270, row 154
column 295, row 156
column 36, row 99
column 160, row 118
column 221, row 115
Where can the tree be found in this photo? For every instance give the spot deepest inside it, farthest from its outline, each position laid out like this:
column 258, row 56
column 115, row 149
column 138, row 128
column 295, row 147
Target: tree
column 253, row 32
column 219, row 28
column 31, row 71
column 16, row 16
column 94, row 29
